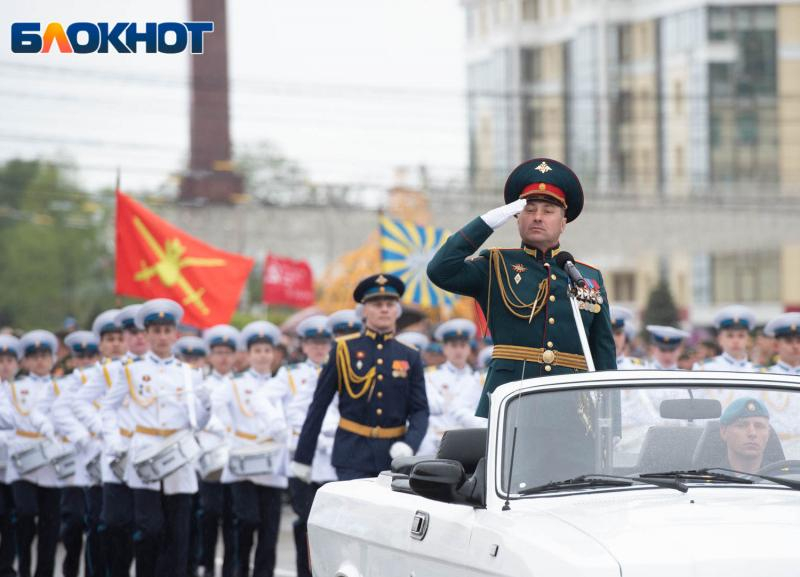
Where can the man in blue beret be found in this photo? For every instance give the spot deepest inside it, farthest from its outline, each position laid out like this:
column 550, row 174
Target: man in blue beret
column 382, row 403
column 523, row 291
column 744, row 428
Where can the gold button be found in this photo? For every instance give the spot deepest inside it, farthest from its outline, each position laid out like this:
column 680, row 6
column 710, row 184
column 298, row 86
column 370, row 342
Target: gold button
column 552, row 277
column 552, row 298
column 548, row 356
column 551, row 320
column 380, row 347
column 379, row 361
column 549, row 344
column 380, row 377
column 379, row 412
column 380, row 394
column 548, row 368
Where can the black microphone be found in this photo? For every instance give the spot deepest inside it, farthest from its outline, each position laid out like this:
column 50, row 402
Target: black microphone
column 566, row 261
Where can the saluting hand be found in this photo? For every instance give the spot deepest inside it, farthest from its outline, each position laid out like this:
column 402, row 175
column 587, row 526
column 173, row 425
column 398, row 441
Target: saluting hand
column 497, row 217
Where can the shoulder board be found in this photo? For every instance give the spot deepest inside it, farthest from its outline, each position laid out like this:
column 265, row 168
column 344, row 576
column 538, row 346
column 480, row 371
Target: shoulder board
column 587, row 265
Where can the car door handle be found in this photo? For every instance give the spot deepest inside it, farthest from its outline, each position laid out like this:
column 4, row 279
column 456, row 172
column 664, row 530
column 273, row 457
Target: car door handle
column 419, row 526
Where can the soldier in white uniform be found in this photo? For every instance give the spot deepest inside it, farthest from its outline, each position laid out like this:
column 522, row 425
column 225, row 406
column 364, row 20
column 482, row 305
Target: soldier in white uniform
column 454, row 387
column 222, row 342
column 84, row 349
column 192, row 350
column 733, row 325
column 345, row 322
column 116, row 505
column 10, row 353
column 785, row 329
column 666, row 346
column 165, row 397
column 257, row 417
column 624, row 328
column 316, row 339
column 37, row 494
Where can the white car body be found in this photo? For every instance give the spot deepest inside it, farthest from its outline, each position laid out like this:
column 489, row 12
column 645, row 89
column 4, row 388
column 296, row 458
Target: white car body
column 363, row 528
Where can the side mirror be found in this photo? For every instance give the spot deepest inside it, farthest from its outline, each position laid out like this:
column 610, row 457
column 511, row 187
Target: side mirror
column 438, row 479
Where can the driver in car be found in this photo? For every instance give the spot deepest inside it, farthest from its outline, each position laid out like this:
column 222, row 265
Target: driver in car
column 744, row 428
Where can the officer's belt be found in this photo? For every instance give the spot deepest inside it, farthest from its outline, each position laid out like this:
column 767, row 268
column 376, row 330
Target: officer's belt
column 371, row 432
column 543, row 356
column 155, row 432
column 127, row 433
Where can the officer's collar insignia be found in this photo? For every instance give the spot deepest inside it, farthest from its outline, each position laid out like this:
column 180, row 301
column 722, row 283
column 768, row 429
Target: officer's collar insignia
column 381, row 280
column 543, row 167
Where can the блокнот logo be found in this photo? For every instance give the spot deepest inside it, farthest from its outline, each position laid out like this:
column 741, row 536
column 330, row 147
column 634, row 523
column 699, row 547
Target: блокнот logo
column 124, row 37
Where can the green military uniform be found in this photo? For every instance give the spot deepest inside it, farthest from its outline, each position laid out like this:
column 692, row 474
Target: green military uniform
column 523, row 294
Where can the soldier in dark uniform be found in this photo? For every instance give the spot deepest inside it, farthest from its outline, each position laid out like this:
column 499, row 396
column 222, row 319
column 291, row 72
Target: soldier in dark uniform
column 381, row 387
column 522, row 291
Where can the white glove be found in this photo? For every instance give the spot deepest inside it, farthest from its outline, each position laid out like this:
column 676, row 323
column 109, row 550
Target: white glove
column 81, row 443
column 115, row 449
column 497, row 217
column 301, row 471
column 46, row 429
column 400, row 449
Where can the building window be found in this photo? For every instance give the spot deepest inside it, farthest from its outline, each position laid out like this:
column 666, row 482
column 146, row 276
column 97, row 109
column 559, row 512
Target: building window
column 753, row 277
column 530, row 10
column 625, row 43
column 677, row 97
column 624, row 286
column 531, row 65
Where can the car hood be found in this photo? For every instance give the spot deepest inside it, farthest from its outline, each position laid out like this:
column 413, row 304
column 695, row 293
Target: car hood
column 721, row 530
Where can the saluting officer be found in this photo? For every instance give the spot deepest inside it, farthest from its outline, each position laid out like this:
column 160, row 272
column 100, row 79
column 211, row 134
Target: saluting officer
column 382, row 403
column 523, row 292
column 666, row 345
column 622, row 324
column 453, row 388
column 733, row 325
column 165, row 397
column 10, row 354
column 257, row 418
column 37, row 494
column 315, row 337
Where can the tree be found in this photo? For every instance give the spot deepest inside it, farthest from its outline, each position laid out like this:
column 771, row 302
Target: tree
column 53, row 261
column 661, row 309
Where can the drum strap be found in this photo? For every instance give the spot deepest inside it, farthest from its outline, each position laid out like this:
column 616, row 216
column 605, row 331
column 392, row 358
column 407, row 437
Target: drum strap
column 189, row 385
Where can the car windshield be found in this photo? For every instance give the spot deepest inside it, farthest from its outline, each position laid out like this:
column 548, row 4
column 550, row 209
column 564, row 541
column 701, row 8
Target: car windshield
column 630, row 431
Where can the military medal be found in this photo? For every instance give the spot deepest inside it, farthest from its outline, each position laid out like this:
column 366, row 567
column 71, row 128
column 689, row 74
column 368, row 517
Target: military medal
column 359, row 365
column 519, row 269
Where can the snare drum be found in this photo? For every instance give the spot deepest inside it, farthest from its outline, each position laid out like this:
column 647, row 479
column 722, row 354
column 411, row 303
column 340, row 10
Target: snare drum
column 262, row 459
column 64, row 463
column 118, row 465
column 35, row 456
column 213, row 456
column 156, row 462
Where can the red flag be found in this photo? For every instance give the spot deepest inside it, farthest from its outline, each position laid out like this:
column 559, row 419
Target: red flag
column 288, row 282
column 156, row 259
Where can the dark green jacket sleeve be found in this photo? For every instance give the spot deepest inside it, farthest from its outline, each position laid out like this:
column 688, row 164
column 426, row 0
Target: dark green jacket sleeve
column 601, row 337
column 448, row 268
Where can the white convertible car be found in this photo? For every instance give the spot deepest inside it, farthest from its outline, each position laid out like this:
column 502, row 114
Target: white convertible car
column 636, row 473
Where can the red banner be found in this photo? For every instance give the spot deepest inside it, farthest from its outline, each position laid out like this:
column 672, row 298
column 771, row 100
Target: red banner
column 288, row 282
column 157, row 260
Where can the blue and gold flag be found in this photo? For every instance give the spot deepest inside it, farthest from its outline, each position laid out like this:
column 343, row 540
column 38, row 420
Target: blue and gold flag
column 406, row 249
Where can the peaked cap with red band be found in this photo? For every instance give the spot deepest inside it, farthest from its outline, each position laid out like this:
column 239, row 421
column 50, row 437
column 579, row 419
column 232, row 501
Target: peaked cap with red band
column 549, row 180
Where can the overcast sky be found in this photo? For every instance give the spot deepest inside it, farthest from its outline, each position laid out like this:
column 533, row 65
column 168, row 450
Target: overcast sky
column 349, row 88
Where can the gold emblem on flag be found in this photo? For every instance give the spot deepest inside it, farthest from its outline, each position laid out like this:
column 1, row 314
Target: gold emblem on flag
column 170, row 261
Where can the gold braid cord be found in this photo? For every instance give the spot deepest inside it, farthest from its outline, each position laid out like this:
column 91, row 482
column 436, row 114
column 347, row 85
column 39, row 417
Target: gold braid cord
column 513, row 303
column 350, row 378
